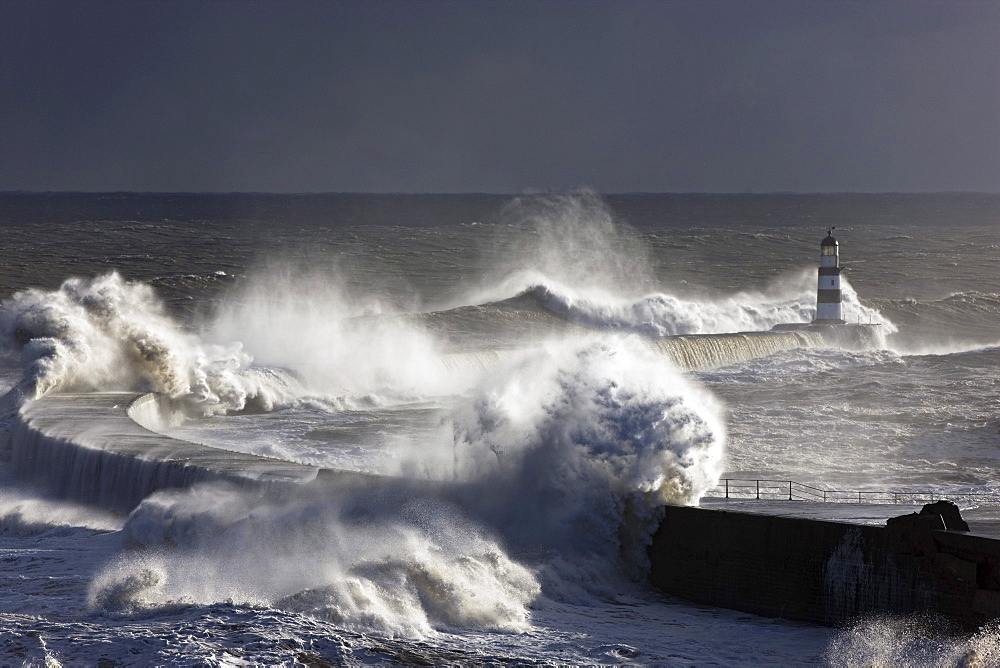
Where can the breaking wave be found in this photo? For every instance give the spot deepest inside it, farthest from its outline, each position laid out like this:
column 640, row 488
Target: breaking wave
column 589, row 441
column 660, row 314
column 106, row 333
column 372, row 559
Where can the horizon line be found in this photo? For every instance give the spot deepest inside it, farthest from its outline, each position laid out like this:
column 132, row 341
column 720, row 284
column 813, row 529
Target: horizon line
column 525, row 193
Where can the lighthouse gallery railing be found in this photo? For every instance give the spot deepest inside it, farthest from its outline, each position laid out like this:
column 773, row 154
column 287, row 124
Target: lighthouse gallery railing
column 791, row 490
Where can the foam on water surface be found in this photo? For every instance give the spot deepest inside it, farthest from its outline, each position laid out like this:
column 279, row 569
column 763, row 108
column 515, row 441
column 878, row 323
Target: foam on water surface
column 517, row 472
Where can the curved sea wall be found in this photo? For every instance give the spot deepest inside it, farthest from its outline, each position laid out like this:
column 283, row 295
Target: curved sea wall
column 87, row 448
column 102, row 448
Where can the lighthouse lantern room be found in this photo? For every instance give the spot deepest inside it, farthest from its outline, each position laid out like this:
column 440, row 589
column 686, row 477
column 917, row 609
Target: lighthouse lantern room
column 829, row 310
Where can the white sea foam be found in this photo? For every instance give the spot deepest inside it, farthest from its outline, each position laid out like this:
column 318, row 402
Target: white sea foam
column 574, row 448
column 106, row 333
column 790, row 299
column 882, row 642
column 382, row 559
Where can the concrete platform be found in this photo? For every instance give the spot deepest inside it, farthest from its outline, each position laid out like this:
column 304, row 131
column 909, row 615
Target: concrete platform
column 983, row 520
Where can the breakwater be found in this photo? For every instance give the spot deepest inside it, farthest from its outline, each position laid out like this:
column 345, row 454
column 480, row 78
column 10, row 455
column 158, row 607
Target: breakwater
column 88, row 448
column 103, row 448
column 692, row 352
column 829, row 572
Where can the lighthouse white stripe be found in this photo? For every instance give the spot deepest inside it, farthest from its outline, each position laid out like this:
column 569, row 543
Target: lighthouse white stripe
column 829, row 311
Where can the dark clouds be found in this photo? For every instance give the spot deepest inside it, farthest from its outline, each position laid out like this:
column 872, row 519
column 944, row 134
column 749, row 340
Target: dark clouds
column 481, row 96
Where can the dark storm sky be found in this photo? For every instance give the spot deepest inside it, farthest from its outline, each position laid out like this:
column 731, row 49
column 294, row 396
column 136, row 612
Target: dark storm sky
column 509, row 96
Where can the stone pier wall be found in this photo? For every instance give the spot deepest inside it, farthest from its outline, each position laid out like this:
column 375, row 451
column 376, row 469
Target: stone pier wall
column 827, row 572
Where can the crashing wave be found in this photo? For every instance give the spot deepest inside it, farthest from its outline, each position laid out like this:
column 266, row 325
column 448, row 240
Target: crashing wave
column 658, row 315
column 106, row 333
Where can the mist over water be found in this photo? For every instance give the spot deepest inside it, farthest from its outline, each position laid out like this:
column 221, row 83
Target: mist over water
column 522, row 437
column 588, row 437
column 543, row 487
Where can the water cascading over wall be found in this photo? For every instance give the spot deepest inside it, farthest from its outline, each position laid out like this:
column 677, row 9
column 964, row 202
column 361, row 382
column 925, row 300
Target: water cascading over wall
column 693, row 352
column 706, row 351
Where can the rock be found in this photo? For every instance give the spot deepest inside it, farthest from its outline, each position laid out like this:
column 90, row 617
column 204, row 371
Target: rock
column 949, row 512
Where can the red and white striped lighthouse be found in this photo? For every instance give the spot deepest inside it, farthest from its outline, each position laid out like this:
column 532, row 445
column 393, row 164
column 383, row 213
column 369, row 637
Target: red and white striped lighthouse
column 829, row 310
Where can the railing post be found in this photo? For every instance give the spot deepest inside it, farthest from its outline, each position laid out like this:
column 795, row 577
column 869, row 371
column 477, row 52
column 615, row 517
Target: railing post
column 789, row 490
column 859, row 496
column 758, row 489
column 727, row 488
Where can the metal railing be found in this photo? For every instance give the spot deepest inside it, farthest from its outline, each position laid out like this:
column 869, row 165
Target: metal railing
column 791, row 490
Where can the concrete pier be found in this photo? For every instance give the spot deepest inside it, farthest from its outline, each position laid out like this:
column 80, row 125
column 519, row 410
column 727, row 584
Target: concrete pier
column 86, row 447
column 825, row 571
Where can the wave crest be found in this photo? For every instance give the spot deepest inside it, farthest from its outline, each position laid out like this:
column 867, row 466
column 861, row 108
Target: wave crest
column 578, row 447
column 106, row 333
column 660, row 314
column 382, row 559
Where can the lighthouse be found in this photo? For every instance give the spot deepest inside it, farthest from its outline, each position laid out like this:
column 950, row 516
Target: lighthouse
column 828, row 307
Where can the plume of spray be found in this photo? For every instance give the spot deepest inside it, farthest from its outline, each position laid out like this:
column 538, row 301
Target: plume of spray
column 381, row 557
column 918, row 640
column 574, row 450
column 583, row 265
column 337, row 342
column 570, row 238
column 106, row 333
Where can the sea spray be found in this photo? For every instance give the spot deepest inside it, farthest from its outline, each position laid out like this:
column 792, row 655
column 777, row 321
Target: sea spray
column 918, row 641
column 572, row 238
column 338, row 342
column 791, row 299
column 106, row 333
column 385, row 558
column 546, row 481
column 574, row 449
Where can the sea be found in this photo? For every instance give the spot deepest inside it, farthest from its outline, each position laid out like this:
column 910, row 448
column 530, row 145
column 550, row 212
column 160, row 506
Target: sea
column 482, row 362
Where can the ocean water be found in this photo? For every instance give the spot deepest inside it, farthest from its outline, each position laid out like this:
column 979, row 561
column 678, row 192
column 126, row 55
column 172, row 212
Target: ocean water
column 485, row 360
